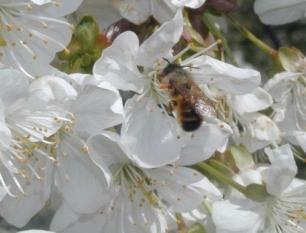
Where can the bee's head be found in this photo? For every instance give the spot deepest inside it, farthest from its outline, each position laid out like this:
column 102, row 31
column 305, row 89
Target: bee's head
column 171, row 67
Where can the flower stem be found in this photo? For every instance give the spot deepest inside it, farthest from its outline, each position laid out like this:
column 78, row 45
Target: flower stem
column 220, row 176
column 207, row 207
column 218, row 35
column 250, row 36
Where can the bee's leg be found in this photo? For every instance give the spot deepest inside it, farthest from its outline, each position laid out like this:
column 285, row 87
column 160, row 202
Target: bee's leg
column 171, row 106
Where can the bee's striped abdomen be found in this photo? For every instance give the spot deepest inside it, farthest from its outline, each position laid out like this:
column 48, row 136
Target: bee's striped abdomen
column 188, row 117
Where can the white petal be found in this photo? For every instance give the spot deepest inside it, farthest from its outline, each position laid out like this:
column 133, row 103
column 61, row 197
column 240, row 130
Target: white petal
column 52, row 88
column 279, row 85
column 291, row 121
column 188, row 3
column 34, row 122
column 253, row 144
column 84, row 186
column 230, row 218
column 14, row 85
column 251, row 176
column 35, row 231
column 63, row 217
column 5, row 133
column 105, row 150
column 62, row 8
column 117, row 63
column 41, row 2
column 263, row 128
column 32, row 49
column 282, row 170
column 97, row 108
column 160, row 43
column 203, row 143
column 296, row 188
column 255, row 101
column 76, row 223
column 280, row 12
column 162, row 11
column 260, row 132
column 37, row 194
column 147, row 135
column 225, row 76
column 178, row 187
column 103, row 10
column 297, row 138
column 3, row 193
column 136, row 11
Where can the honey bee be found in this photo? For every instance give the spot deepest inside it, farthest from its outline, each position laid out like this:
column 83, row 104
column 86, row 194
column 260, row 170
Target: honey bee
column 188, row 102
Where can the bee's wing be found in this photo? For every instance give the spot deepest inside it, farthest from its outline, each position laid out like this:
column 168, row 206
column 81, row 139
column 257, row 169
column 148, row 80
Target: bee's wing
column 195, row 97
column 204, row 108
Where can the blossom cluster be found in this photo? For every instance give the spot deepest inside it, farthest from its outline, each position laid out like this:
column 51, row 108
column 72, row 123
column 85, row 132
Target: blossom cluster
column 92, row 120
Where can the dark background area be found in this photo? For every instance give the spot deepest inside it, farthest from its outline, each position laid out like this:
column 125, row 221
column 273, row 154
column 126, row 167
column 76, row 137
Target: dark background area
column 292, row 35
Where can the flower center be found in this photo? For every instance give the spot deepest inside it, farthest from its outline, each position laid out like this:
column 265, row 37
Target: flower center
column 287, row 213
column 136, row 182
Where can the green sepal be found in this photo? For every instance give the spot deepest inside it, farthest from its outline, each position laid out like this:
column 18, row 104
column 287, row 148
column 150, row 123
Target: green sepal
column 257, row 192
column 197, row 228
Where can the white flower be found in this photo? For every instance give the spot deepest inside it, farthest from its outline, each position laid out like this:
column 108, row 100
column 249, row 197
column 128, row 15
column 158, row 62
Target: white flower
column 238, row 99
column 288, row 91
column 140, row 199
column 161, row 135
column 27, row 123
column 26, row 117
column 94, row 107
column 282, row 211
column 280, row 12
column 43, row 154
column 32, row 32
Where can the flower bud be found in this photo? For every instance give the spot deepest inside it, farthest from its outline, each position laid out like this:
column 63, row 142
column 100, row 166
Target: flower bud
column 87, row 32
column 292, row 59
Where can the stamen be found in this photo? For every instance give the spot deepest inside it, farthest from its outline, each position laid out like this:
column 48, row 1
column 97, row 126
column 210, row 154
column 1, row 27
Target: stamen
column 205, row 50
column 34, row 171
column 28, row 49
column 18, row 184
column 6, row 188
column 46, row 155
column 181, row 53
column 16, row 61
